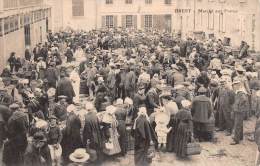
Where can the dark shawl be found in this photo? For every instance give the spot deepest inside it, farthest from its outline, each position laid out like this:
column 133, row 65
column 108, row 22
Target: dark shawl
column 65, row 88
column 201, row 109
column 92, row 132
column 143, row 134
column 71, row 136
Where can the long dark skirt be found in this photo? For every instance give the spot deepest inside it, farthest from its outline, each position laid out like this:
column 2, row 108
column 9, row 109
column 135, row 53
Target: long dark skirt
column 140, row 157
column 201, row 131
column 238, row 126
column 121, row 128
column 69, row 143
column 170, row 141
column 171, row 137
column 13, row 154
column 183, row 136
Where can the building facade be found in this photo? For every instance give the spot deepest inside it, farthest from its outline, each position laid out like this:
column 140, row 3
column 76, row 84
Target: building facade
column 23, row 23
column 236, row 19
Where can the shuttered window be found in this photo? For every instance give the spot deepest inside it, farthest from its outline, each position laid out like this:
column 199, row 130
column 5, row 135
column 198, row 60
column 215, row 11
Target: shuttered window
column 77, row 7
column 12, row 28
column 167, row 2
column 10, row 3
column 109, row 1
column 21, row 20
column 148, row 21
column 16, row 22
column 129, row 21
column 148, row 1
column 128, row 1
column 1, row 28
column 109, row 22
column 211, row 21
column 6, row 25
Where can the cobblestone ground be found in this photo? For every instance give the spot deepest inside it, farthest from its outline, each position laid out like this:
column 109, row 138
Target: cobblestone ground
column 213, row 154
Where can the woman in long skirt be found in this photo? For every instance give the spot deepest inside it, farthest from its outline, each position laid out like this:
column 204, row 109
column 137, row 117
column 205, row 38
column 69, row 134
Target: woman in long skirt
column 121, row 119
column 71, row 136
column 110, row 124
column 184, row 129
column 144, row 136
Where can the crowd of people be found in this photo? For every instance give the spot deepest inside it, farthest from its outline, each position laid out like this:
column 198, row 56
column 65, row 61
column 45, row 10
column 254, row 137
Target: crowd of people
column 82, row 97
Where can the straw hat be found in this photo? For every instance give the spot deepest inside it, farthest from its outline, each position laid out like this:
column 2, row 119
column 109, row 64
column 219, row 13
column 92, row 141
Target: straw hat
column 79, row 156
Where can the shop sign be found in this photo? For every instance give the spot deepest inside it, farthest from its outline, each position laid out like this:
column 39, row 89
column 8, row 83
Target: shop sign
column 182, row 10
column 216, row 11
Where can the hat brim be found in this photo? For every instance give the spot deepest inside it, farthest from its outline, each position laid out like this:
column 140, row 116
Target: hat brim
column 81, row 160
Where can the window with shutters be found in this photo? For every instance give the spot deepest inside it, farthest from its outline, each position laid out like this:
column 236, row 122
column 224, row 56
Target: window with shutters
column 148, row 21
column 77, row 7
column 16, row 22
column 21, row 20
column 31, row 17
column 109, row 1
column 10, row 3
column 1, row 28
column 148, row 1
column 11, row 26
column 6, row 25
column 168, row 2
column 109, row 21
column 128, row 1
column 211, row 20
column 129, row 21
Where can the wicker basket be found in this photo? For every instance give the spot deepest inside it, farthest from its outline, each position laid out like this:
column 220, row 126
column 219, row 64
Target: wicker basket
column 193, row 149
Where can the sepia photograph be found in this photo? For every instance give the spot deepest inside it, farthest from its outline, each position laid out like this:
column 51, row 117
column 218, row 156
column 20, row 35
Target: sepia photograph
column 129, row 82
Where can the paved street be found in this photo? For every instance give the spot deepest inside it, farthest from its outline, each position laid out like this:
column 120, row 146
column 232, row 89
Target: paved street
column 217, row 154
column 213, row 154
